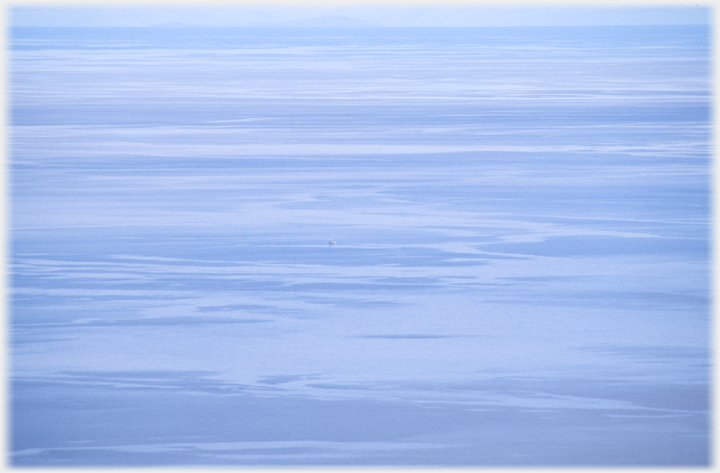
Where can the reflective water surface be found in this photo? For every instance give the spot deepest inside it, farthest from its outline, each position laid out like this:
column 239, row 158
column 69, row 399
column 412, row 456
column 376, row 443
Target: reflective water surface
column 521, row 267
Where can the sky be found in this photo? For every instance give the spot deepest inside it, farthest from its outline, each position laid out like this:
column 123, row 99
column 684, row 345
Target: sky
column 391, row 16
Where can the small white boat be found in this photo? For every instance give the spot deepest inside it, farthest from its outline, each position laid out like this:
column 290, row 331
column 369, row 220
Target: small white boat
column 331, row 242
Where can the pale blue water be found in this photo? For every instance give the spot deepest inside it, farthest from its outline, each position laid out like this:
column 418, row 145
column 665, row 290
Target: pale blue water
column 521, row 273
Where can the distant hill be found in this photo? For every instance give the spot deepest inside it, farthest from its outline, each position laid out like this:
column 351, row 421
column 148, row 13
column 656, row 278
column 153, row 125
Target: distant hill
column 173, row 24
column 327, row 21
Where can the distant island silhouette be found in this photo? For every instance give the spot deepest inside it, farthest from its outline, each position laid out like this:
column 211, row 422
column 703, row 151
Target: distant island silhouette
column 325, row 21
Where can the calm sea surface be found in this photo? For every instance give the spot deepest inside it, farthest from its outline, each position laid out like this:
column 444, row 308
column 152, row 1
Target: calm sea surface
column 521, row 267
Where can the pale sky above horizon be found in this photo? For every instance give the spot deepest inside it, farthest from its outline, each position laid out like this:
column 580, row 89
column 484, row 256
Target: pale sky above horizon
column 140, row 16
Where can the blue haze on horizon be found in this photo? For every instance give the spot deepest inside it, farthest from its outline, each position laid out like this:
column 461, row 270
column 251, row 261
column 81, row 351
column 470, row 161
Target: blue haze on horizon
column 520, row 276
column 386, row 16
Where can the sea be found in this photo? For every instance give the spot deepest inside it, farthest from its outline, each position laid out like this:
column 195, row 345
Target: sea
column 359, row 246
